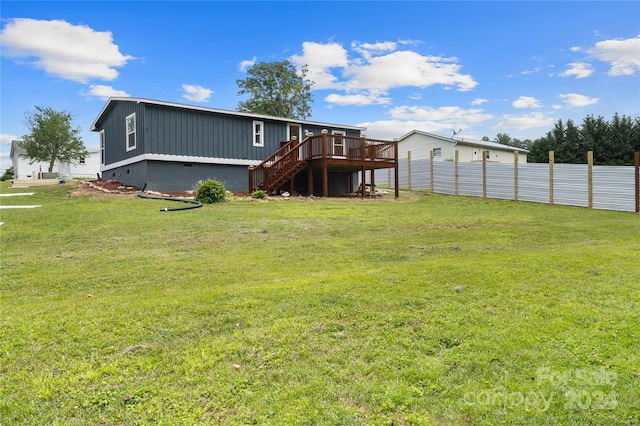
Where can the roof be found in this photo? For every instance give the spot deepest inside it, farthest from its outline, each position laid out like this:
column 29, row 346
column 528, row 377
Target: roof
column 16, row 149
column 112, row 101
column 462, row 141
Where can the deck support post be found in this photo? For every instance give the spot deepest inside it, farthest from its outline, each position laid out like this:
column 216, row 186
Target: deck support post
column 325, row 177
column 363, row 172
column 396, row 173
column 310, row 179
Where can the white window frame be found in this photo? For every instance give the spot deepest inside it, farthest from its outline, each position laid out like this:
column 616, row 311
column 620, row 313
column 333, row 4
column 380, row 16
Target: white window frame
column 339, row 142
column 102, row 147
column 437, row 152
column 131, row 147
column 258, row 133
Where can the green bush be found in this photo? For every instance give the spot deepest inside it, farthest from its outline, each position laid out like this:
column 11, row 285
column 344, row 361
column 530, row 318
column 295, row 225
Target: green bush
column 210, row 191
column 259, row 193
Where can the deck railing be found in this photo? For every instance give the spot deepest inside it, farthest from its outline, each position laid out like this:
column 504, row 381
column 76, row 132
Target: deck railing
column 292, row 157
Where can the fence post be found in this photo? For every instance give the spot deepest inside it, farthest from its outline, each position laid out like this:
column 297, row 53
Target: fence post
column 409, row 169
column 456, row 157
column 637, row 164
column 551, row 161
column 431, row 155
column 590, row 177
column 515, row 175
column 484, row 174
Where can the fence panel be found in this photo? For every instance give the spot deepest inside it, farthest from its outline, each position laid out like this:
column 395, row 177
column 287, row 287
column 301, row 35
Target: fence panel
column 571, row 184
column 443, row 177
column 421, row 174
column 470, row 179
column 533, row 182
column 614, row 188
column 500, row 180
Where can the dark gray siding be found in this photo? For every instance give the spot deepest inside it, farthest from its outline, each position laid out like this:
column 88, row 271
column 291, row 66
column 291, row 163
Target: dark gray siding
column 178, row 131
column 133, row 174
column 168, row 176
column 115, row 132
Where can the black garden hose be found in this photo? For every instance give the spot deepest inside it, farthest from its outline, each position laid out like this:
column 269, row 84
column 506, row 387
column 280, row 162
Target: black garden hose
column 194, row 204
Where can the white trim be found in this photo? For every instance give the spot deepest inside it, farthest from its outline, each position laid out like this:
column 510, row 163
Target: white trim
column 102, row 144
column 180, row 159
column 126, row 125
column 258, row 134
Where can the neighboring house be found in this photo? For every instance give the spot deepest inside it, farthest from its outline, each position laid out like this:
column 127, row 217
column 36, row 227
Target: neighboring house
column 85, row 167
column 169, row 147
column 422, row 143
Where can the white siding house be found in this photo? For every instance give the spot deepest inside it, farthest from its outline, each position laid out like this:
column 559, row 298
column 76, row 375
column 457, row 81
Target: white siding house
column 87, row 167
column 421, row 143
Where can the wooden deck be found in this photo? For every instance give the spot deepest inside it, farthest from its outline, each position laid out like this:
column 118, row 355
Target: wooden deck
column 326, row 153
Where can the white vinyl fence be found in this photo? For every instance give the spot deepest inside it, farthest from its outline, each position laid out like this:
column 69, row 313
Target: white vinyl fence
column 585, row 185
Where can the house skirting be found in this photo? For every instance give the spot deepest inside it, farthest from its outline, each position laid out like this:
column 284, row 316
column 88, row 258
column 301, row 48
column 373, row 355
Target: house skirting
column 177, row 176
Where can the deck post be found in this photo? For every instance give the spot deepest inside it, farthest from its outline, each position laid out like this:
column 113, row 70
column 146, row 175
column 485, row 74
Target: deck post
column 551, row 162
column 325, row 176
column 251, row 178
column 396, row 174
column 637, row 176
column 516, row 160
column 363, row 173
column 590, row 179
column 310, row 179
column 484, row 174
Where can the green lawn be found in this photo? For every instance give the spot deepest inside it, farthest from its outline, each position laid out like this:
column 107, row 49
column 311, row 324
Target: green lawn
column 425, row 310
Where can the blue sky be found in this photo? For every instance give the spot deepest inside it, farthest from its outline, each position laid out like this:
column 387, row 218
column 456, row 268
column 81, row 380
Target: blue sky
column 479, row 67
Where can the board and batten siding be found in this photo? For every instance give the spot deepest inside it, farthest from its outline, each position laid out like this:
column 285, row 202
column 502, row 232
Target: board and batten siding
column 175, row 131
column 115, row 132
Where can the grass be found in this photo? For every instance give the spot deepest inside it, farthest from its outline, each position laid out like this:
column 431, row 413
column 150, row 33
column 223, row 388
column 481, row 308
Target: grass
column 428, row 310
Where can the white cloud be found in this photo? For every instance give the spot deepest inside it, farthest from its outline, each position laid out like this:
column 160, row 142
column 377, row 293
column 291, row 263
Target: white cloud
column 390, row 129
column 448, row 114
column 7, row 138
column 367, row 49
column 576, row 100
column 579, row 69
column 526, row 102
column 377, row 68
column 523, row 122
column 479, row 101
column 621, row 54
column 246, row 64
column 320, row 59
column 72, row 52
column 104, row 92
column 406, row 68
column 196, row 93
column 357, row 99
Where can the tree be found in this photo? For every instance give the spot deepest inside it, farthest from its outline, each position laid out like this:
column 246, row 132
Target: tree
column 8, row 174
column 52, row 138
column 277, row 89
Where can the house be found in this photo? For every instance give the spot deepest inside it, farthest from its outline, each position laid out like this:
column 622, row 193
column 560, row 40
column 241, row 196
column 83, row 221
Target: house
column 169, row 147
column 85, row 167
column 420, row 144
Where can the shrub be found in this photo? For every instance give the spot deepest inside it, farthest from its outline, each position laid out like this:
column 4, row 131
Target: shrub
column 210, row 191
column 259, row 193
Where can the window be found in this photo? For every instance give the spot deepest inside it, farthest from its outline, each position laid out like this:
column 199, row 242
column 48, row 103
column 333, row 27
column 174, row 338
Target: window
column 258, row 133
column 487, row 155
column 338, row 143
column 437, row 152
column 131, row 132
column 101, row 146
